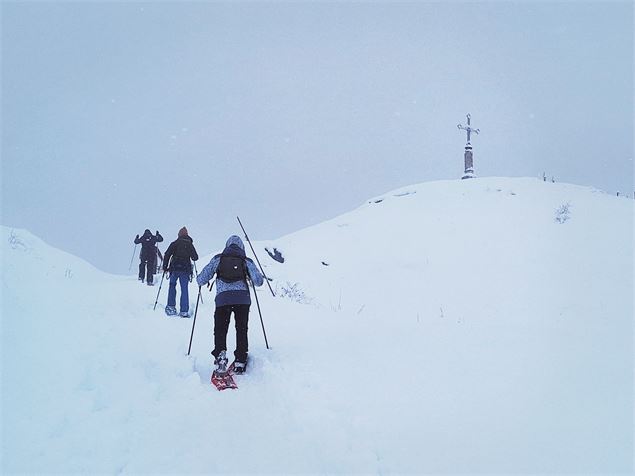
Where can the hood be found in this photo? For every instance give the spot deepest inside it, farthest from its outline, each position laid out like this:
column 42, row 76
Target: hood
column 235, row 241
column 147, row 232
column 234, row 247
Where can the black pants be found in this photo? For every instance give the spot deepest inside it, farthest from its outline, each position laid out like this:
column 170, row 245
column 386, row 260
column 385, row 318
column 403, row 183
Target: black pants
column 221, row 326
column 147, row 266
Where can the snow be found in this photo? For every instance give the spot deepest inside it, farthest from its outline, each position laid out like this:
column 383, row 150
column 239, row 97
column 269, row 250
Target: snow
column 459, row 328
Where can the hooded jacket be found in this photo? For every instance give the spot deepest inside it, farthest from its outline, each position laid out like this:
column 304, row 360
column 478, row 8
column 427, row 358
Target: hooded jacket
column 236, row 292
column 148, row 243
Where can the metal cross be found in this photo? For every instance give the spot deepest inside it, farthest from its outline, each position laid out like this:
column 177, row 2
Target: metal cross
column 468, row 128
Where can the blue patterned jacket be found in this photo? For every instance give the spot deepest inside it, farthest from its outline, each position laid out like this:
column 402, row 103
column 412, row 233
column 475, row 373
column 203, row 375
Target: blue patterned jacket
column 236, row 292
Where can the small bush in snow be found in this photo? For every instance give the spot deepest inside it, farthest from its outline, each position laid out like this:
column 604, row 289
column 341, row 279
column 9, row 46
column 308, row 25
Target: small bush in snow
column 275, row 254
column 15, row 241
column 293, row 292
column 563, row 213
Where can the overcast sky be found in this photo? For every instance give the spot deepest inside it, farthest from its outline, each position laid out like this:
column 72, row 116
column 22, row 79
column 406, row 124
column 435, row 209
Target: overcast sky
column 118, row 117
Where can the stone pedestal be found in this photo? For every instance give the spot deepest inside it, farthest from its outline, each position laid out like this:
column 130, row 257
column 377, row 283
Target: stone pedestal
column 469, row 163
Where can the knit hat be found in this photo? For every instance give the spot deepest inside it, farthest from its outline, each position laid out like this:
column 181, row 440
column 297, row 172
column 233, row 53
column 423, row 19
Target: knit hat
column 183, row 232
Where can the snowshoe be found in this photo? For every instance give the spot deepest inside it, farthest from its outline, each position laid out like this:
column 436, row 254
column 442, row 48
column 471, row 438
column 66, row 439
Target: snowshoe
column 184, row 314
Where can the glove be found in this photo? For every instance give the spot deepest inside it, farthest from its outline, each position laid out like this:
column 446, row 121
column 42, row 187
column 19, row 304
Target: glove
column 137, row 237
column 157, row 232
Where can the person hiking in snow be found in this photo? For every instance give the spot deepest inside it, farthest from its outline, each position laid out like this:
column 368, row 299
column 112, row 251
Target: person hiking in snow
column 178, row 261
column 232, row 269
column 148, row 255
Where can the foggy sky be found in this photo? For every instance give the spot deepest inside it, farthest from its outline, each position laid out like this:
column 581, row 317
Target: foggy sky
column 118, row 117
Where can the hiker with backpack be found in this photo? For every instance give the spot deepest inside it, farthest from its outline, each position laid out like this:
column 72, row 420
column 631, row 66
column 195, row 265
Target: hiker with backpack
column 233, row 269
column 148, row 255
column 178, row 262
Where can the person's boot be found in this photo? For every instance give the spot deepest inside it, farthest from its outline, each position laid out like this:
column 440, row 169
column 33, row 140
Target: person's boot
column 240, row 367
column 170, row 310
column 221, row 363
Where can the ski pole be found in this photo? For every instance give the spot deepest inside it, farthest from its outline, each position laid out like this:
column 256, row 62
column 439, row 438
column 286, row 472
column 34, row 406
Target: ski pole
column 260, row 313
column 155, row 302
column 194, row 322
column 254, row 252
column 132, row 259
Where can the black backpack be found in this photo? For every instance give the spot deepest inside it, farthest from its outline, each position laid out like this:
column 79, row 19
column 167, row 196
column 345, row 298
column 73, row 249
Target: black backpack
column 181, row 256
column 231, row 269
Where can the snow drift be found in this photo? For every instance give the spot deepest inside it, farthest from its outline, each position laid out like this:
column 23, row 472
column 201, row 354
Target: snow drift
column 455, row 326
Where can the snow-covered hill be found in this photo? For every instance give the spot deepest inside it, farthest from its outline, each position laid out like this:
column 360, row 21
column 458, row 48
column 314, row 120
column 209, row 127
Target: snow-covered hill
column 456, row 326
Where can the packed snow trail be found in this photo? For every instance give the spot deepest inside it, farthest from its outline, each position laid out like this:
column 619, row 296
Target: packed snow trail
column 457, row 328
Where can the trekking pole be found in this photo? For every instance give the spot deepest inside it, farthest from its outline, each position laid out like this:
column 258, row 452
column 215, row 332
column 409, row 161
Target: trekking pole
column 196, row 312
column 196, row 274
column 155, row 302
column 254, row 252
column 132, row 259
column 194, row 322
column 260, row 313
column 159, row 264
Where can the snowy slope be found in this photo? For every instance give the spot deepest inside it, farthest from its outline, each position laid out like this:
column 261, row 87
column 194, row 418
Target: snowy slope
column 455, row 327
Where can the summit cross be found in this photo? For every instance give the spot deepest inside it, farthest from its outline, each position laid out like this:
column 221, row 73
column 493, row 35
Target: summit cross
column 468, row 157
column 468, row 128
